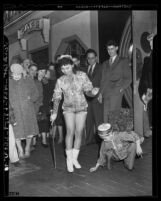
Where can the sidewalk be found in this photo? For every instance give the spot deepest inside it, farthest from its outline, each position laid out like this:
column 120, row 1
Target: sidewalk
column 37, row 177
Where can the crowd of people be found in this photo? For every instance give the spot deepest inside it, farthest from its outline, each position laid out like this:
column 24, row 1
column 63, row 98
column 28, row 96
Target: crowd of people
column 75, row 100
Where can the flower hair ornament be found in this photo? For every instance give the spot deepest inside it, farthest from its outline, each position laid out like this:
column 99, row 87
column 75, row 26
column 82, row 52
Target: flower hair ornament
column 65, row 56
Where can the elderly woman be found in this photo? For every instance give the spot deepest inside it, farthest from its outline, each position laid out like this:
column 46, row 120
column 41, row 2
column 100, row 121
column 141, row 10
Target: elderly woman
column 73, row 84
column 22, row 95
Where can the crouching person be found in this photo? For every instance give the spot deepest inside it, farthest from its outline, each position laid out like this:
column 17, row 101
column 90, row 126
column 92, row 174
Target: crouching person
column 118, row 146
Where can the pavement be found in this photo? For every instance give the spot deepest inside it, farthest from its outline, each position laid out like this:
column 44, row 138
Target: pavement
column 37, row 176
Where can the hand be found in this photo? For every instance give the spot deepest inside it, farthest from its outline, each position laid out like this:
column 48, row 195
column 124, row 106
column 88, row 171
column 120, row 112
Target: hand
column 100, row 98
column 95, row 90
column 93, row 169
column 53, row 117
column 121, row 90
column 139, row 150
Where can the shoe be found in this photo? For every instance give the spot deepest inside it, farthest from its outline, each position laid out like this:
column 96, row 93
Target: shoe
column 17, row 164
column 69, row 161
column 21, row 155
column 44, row 145
column 27, row 154
column 75, row 157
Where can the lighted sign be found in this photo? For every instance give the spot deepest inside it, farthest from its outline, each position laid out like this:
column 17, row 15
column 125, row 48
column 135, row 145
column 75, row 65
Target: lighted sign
column 33, row 25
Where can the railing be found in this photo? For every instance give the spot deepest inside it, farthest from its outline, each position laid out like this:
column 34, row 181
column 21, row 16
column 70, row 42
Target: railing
column 10, row 16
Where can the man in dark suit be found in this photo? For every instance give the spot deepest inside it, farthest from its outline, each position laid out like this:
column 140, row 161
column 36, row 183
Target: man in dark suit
column 95, row 115
column 145, row 87
column 116, row 77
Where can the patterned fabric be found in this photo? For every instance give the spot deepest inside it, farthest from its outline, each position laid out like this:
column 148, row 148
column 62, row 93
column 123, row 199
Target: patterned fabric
column 119, row 145
column 73, row 88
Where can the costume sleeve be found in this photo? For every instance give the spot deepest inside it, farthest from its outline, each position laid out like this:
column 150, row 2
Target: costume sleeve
column 127, row 74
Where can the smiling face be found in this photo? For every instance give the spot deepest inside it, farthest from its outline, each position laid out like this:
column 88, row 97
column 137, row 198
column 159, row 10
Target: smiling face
column 67, row 69
column 112, row 50
column 91, row 58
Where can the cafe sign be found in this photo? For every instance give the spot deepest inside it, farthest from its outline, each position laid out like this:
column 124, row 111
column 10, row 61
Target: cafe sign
column 42, row 25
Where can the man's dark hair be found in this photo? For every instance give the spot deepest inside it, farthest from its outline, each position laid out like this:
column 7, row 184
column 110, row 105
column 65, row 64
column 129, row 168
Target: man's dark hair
column 76, row 56
column 112, row 43
column 91, row 51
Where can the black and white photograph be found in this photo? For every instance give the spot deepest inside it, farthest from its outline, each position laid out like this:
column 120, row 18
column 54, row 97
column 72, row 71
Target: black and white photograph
column 78, row 100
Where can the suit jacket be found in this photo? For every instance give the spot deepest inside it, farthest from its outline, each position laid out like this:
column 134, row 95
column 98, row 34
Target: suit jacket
column 95, row 78
column 146, row 77
column 115, row 77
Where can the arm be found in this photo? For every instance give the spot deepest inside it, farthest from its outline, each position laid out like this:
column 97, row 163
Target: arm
column 101, row 160
column 143, row 83
column 127, row 74
column 56, row 97
column 88, row 87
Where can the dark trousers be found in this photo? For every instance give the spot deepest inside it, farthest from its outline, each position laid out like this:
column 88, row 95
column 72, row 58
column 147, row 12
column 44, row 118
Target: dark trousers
column 94, row 119
column 111, row 103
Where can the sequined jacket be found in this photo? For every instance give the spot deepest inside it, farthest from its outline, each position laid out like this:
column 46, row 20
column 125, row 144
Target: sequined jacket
column 118, row 145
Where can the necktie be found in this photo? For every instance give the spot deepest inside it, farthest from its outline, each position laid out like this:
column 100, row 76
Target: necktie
column 90, row 71
column 111, row 61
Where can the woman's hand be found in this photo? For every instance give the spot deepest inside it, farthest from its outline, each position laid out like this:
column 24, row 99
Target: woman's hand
column 95, row 91
column 53, row 117
column 139, row 150
column 100, row 98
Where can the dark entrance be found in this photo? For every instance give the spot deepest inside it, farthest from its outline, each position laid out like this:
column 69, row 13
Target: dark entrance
column 40, row 57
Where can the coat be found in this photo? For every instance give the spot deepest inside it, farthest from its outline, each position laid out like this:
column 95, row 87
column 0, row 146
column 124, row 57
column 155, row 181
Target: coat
column 22, row 95
column 115, row 77
column 39, row 101
column 146, row 76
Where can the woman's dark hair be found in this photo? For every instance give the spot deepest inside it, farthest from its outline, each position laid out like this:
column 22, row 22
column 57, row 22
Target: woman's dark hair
column 65, row 61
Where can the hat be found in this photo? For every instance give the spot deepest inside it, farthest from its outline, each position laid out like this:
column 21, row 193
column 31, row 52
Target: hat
column 104, row 129
column 16, row 68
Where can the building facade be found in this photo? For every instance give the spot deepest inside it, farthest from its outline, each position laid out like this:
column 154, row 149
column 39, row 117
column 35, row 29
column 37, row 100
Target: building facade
column 41, row 35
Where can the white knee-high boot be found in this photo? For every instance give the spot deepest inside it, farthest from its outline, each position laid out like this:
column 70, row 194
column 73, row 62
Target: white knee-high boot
column 69, row 160
column 75, row 157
